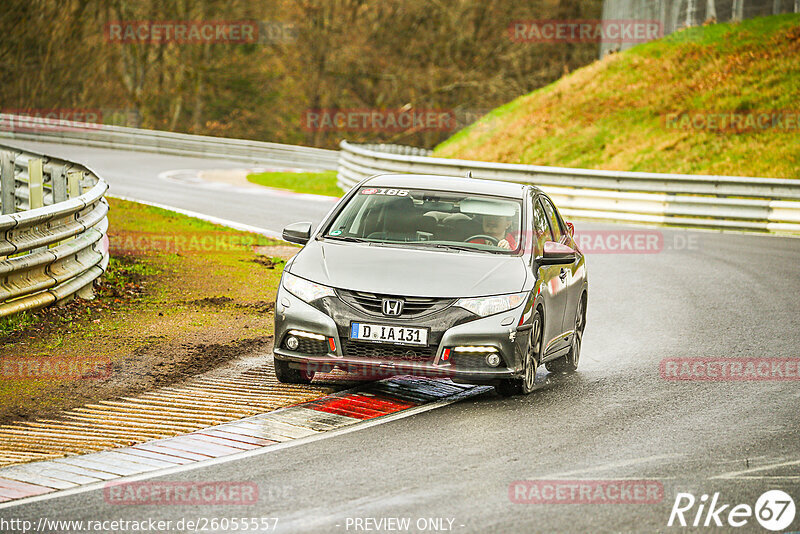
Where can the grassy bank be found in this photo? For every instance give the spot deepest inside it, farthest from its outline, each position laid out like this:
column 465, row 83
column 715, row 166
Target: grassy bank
column 180, row 296
column 650, row 108
column 316, row 183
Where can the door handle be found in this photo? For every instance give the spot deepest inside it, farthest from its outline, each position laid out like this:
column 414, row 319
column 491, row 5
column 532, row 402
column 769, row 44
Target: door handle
column 563, row 274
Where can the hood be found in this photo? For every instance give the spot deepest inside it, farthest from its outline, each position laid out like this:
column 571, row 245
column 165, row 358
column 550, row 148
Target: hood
column 409, row 271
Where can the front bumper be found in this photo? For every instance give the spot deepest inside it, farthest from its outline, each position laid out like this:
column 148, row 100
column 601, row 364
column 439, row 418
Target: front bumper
column 449, row 328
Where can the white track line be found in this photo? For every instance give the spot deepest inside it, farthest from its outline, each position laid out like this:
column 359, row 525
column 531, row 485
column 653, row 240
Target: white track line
column 736, row 474
column 209, row 218
column 766, row 477
column 606, row 467
column 255, row 452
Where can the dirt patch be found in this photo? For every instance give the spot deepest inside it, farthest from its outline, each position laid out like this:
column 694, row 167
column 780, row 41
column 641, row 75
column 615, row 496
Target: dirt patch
column 177, row 363
column 212, row 301
column 269, row 263
column 262, row 306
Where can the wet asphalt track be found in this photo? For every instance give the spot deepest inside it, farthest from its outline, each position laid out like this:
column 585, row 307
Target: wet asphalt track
column 705, row 295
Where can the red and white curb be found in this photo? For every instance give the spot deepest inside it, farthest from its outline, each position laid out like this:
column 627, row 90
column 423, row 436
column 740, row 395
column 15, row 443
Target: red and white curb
column 337, row 413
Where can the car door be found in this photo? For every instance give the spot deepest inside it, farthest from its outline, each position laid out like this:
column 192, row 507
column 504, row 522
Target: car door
column 575, row 273
column 550, row 280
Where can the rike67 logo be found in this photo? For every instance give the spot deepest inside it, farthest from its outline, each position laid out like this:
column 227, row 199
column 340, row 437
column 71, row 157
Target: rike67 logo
column 774, row 510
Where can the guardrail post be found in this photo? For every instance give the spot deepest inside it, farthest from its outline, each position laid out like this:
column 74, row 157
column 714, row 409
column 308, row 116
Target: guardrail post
column 59, row 184
column 35, row 185
column 7, row 184
column 86, row 292
column 74, row 183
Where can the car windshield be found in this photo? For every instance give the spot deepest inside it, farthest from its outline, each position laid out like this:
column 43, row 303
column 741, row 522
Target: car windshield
column 420, row 217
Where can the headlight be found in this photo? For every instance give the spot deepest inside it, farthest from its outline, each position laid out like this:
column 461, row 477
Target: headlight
column 305, row 290
column 485, row 306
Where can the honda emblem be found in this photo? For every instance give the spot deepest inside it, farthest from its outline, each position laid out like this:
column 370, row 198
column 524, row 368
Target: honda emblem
column 392, row 307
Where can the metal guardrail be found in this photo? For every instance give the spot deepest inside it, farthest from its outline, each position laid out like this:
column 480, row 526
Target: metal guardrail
column 715, row 202
column 119, row 137
column 53, row 242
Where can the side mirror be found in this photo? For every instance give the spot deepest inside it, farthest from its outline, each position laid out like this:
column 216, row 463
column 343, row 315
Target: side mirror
column 556, row 254
column 571, row 229
column 298, row 233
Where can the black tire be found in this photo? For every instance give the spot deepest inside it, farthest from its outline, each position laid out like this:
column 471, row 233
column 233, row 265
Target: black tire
column 287, row 375
column 569, row 363
column 526, row 384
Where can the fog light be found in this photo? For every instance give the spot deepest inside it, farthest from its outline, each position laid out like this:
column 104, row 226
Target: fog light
column 292, row 343
column 493, row 360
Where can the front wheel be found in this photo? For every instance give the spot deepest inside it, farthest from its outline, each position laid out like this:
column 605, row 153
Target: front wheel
column 525, row 385
column 569, row 363
column 287, row 375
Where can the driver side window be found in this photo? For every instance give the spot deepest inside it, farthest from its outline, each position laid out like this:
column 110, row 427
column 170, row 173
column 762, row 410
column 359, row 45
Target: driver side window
column 541, row 228
column 555, row 225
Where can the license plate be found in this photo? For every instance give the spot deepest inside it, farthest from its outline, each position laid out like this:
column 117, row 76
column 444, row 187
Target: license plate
column 389, row 334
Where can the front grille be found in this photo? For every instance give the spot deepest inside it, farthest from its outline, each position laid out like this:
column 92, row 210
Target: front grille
column 384, row 351
column 308, row 346
column 371, row 303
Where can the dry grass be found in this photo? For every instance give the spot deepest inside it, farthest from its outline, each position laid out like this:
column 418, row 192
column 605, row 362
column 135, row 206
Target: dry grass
column 613, row 113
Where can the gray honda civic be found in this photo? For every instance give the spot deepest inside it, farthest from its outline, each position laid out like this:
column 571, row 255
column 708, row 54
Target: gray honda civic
column 477, row 281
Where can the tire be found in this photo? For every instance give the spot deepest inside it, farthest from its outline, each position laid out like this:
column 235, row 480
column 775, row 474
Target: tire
column 526, row 384
column 569, row 363
column 287, row 375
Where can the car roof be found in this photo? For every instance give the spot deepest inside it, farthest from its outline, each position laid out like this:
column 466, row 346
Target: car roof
column 449, row 183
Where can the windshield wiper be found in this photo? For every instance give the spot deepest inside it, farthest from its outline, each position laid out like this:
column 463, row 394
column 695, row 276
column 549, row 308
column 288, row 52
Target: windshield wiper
column 347, row 238
column 460, row 247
